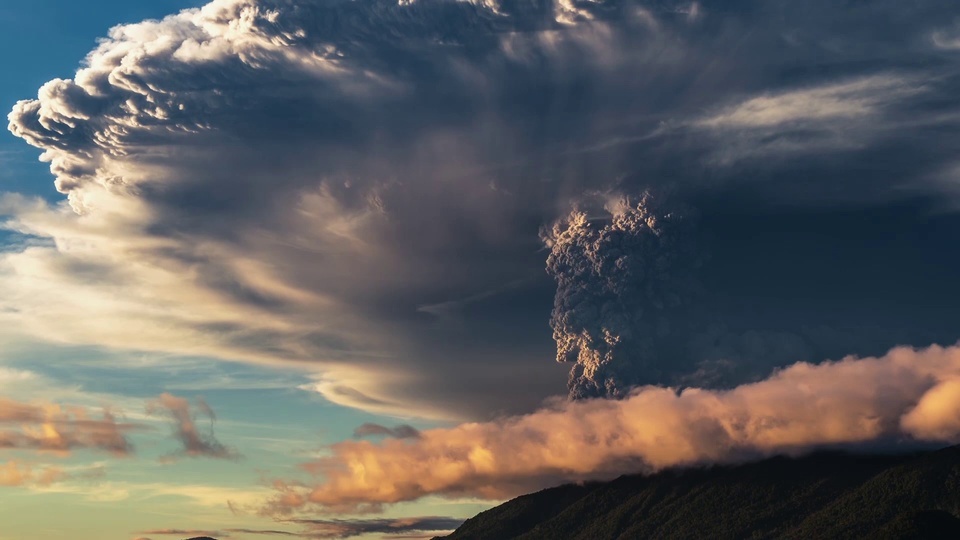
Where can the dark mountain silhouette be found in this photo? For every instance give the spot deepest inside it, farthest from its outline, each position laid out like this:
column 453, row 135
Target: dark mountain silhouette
column 824, row 495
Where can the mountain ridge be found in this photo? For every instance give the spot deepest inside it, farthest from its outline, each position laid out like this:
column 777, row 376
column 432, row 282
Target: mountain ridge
column 822, row 495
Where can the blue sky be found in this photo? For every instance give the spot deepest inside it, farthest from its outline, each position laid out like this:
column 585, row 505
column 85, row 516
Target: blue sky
column 358, row 269
column 47, row 39
column 261, row 411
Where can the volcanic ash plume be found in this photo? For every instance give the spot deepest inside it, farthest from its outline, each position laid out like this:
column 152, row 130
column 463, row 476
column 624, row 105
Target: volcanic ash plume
column 621, row 285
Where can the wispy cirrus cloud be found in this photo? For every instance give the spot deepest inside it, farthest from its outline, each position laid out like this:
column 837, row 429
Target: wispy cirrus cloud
column 196, row 442
column 18, row 474
column 948, row 38
column 62, row 429
column 829, row 118
column 186, row 532
column 324, row 529
column 349, row 528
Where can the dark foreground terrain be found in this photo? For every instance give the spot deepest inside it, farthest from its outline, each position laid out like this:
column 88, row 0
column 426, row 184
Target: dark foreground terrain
column 826, row 495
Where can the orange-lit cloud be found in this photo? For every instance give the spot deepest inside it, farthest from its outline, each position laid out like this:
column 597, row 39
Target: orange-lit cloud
column 909, row 394
column 55, row 428
column 17, row 474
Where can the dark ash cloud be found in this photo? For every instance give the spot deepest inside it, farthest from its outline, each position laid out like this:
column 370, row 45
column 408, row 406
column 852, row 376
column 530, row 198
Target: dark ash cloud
column 357, row 188
column 622, row 284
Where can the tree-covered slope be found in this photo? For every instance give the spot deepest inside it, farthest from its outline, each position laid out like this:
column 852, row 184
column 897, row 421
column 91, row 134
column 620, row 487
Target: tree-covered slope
column 826, row 495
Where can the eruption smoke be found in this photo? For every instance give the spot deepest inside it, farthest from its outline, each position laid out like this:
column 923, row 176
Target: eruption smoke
column 621, row 286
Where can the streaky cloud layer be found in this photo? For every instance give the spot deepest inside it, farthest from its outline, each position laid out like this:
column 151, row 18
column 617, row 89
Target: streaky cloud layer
column 61, row 429
column 907, row 394
column 18, row 474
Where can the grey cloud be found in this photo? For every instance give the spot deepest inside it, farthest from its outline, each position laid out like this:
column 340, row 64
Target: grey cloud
column 184, row 416
column 621, row 286
column 948, row 38
column 313, row 183
column 349, row 528
column 402, row 431
column 191, row 532
column 333, row 528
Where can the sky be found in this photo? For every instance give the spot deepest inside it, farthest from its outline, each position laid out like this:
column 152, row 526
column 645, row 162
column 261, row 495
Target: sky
column 362, row 269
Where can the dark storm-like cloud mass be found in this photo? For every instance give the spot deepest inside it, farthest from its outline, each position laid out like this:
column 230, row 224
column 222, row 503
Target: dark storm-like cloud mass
column 622, row 286
column 359, row 187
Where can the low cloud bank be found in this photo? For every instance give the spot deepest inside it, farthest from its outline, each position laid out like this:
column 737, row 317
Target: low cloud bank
column 907, row 394
column 335, row 528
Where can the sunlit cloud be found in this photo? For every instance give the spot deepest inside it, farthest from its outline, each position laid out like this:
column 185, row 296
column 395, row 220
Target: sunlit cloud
column 62, row 429
column 828, row 118
column 17, row 474
column 911, row 395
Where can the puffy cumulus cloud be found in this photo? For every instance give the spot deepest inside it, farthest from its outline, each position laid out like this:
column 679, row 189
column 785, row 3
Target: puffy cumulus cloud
column 906, row 394
column 351, row 186
column 621, row 284
column 937, row 414
column 17, row 474
column 196, row 443
column 61, row 429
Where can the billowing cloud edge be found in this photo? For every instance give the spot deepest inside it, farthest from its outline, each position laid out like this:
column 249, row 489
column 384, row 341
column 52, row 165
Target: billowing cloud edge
column 908, row 395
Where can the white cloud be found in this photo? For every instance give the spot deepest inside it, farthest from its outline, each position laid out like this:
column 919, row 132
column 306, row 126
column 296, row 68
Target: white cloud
column 906, row 395
column 830, row 117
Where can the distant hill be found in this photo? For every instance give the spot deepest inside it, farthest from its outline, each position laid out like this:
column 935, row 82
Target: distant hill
column 825, row 495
